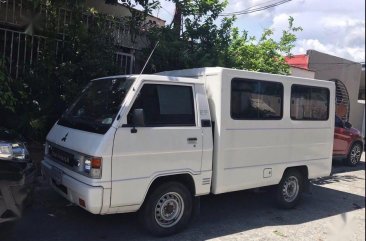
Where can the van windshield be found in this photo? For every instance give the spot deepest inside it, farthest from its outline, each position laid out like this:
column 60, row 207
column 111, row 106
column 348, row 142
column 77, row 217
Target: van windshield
column 97, row 106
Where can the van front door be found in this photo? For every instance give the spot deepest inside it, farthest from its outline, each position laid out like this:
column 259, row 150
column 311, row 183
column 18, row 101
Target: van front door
column 169, row 141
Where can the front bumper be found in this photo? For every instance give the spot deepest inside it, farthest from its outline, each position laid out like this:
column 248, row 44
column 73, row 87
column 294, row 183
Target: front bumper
column 88, row 197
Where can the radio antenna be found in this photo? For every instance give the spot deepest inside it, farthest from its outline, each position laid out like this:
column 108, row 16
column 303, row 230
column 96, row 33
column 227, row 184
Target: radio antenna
column 147, row 61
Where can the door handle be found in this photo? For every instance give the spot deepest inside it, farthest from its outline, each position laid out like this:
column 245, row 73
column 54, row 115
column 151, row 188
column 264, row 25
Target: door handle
column 192, row 139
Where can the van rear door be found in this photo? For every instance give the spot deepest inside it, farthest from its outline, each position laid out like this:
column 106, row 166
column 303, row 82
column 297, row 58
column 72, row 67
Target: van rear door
column 170, row 142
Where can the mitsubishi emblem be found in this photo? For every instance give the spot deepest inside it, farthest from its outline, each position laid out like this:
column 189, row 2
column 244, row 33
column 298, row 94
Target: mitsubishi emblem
column 64, row 138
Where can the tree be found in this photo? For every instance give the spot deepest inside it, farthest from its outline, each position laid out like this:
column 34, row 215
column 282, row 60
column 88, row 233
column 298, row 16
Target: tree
column 265, row 55
column 202, row 43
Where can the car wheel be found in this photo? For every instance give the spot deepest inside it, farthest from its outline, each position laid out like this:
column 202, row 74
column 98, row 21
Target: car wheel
column 167, row 210
column 289, row 190
column 354, row 155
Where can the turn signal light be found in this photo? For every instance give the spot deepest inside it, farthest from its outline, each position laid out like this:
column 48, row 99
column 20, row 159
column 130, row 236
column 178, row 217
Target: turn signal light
column 81, row 202
column 96, row 162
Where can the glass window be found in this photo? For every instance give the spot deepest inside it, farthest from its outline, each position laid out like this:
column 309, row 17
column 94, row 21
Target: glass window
column 309, row 103
column 256, row 99
column 97, row 106
column 165, row 105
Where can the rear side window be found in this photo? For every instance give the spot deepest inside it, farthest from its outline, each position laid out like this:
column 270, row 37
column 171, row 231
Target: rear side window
column 309, row 103
column 166, row 105
column 256, row 100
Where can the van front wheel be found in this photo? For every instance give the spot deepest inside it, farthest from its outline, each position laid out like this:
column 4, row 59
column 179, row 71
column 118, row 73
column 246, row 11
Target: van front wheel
column 288, row 191
column 167, row 209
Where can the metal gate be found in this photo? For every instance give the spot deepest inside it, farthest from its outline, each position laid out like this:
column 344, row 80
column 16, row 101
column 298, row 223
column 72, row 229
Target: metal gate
column 342, row 100
column 19, row 50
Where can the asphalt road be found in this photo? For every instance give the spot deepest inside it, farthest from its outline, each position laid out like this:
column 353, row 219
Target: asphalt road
column 333, row 210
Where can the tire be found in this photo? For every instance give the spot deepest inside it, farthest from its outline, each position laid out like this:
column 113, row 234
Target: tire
column 354, row 155
column 172, row 199
column 289, row 190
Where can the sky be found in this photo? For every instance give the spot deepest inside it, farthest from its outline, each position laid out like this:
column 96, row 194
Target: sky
column 335, row 27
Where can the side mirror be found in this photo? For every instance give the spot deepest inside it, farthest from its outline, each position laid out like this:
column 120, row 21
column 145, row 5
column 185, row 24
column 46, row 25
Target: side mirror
column 138, row 118
column 347, row 125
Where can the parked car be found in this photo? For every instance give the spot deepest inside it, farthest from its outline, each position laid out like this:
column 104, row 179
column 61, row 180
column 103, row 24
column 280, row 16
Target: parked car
column 16, row 175
column 348, row 142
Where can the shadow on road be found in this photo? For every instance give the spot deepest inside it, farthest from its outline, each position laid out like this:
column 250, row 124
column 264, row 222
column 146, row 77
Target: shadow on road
column 51, row 218
column 339, row 167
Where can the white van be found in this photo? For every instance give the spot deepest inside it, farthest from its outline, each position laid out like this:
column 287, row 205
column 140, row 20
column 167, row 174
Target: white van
column 155, row 142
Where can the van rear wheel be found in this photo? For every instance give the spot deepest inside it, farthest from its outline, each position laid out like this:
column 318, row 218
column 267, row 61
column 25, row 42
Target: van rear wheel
column 167, row 209
column 289, row 190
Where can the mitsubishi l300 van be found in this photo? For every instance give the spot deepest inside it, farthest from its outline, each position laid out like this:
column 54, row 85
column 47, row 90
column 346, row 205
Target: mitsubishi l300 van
column 155, row 143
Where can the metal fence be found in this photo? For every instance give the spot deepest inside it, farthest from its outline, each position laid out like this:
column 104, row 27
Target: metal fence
column 19, row 50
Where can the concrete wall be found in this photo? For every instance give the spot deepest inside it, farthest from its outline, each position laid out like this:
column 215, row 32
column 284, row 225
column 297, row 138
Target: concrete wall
column 361, row 95
column 327, row 67
column 299, row 72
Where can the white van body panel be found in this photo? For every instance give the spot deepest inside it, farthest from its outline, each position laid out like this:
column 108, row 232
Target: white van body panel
column 244, row 149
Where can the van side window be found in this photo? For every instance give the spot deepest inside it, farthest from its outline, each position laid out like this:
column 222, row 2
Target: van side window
column 309, row 103
column 256, row 100
column 165, row 105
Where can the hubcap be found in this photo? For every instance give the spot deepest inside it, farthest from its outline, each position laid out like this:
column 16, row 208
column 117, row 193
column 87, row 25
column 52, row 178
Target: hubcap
column 355, row 154
column 169, row 209
column 290, row 189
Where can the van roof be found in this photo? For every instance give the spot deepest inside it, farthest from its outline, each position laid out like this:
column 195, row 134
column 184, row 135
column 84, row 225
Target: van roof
column 195, row 72
column 156, row 77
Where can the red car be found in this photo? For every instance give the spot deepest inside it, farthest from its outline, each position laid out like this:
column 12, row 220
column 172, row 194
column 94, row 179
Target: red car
column 348, row 143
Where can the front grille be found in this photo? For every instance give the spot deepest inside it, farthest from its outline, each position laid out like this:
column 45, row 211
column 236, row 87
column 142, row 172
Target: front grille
column 62, row 156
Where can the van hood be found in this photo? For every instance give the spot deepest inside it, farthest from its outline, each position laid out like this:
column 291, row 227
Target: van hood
column 81, row 141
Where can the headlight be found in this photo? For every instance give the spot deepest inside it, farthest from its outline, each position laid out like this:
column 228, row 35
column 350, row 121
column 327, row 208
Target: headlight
column 93, row 166
column 13, row 151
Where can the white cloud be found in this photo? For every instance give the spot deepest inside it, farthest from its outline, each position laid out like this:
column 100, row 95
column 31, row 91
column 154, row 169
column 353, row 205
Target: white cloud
column 353, row 53
column 335, row 27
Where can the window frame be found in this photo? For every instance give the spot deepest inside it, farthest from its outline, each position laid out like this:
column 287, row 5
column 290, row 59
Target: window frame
column 315, row 87
column 257, row 80
column 194, row 103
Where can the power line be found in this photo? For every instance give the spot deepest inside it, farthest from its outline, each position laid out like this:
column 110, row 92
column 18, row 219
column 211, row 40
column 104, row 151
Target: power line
column 263, row 3
column 256, row 8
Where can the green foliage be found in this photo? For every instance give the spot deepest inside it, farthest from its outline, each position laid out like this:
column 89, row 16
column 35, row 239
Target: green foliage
column 264, row 55
column 65, row 64
column 73, row 56
column 201, row 44
column 7, row 99
column 204, row 44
